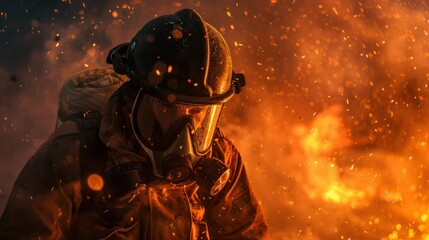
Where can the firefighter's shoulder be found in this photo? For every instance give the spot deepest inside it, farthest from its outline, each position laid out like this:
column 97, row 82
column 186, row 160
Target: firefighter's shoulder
column 223, row 148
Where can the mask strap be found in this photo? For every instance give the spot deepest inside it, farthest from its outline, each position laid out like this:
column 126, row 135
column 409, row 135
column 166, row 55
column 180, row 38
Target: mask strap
column 146, row 149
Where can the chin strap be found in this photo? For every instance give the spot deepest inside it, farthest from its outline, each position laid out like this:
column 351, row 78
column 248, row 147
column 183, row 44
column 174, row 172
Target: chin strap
column 146, row 149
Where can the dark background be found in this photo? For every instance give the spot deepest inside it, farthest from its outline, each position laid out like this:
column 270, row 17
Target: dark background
column 332, row 125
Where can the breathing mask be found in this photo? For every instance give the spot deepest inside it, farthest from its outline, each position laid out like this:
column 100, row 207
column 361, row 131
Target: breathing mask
column 177, row 138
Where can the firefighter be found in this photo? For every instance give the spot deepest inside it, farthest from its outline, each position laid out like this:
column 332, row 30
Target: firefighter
column 154, row 165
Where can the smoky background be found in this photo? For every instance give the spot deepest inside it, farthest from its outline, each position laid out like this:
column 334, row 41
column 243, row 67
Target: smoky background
column 332, row 125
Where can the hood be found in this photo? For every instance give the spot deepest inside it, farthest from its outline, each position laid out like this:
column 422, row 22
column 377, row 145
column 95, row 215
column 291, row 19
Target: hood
column 116, row 131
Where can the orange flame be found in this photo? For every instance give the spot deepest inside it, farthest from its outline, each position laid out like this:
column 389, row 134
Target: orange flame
column 325, row 135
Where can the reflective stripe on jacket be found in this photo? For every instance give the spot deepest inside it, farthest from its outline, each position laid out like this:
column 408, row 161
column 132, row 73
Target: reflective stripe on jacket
column 46, row 201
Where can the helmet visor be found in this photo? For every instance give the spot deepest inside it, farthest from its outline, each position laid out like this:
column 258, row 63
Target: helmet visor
column 159, row 122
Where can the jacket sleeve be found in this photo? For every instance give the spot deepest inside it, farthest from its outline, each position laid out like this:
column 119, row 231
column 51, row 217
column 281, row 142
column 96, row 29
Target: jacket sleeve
column 235, row 212
column 45, row 194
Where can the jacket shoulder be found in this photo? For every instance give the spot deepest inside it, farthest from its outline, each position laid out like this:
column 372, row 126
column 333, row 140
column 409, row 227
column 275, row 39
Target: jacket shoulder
column 223, row 148
column 55, row 162
column 67, row 128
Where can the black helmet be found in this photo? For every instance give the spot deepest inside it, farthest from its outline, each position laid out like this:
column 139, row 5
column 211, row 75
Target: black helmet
column 179, row 58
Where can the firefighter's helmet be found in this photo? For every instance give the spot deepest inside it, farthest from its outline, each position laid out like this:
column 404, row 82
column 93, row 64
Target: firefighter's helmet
column 179, row 58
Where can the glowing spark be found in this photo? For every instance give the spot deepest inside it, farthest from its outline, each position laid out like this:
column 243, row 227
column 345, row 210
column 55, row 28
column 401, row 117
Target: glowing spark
column 411, row 233
column 177, row 34
column 424, row 217
column 178, row 4
column 95, row 182
column 393, row 235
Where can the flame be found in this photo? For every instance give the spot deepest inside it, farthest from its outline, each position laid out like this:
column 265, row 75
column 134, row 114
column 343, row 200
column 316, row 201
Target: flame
column 340, row 194
column 325, row 135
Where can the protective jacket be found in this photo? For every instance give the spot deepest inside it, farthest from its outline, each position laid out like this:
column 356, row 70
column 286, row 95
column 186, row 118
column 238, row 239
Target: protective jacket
column 48, row 201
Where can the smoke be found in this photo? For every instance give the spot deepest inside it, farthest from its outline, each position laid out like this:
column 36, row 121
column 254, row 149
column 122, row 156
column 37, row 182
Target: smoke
column 337, row 112
column 331, row 125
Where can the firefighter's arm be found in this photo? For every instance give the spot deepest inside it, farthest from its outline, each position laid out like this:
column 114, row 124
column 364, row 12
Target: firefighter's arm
column 236, row 213
column 42, row 202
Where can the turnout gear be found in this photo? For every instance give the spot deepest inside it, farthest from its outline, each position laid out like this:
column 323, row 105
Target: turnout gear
column 156, row 166
column 47, row 195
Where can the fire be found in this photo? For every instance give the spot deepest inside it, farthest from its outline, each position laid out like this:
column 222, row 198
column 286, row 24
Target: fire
column 340, row 194
column 325, row 135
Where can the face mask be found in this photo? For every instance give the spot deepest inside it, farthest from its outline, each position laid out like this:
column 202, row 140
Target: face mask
column 177, row 137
